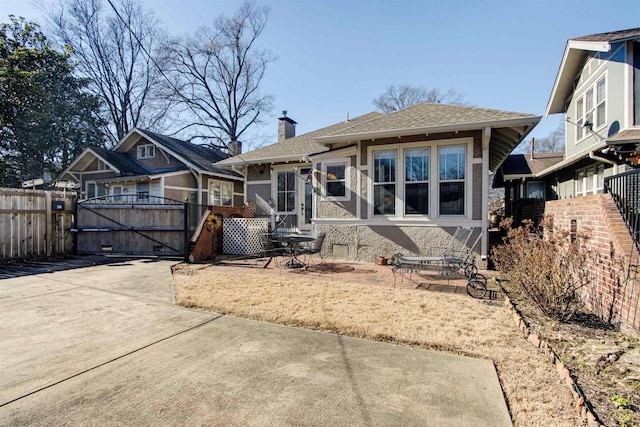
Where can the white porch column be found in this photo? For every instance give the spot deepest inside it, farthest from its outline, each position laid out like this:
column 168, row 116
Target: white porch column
column 486, row 137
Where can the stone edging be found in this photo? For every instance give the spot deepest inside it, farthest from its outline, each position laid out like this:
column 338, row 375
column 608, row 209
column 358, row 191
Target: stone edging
column 582, row 406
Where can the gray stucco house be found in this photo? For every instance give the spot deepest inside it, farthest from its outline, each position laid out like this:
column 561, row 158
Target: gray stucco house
column 379, row 184
column 597, row 88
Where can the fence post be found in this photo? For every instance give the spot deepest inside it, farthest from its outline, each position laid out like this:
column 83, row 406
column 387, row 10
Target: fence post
column 48, row 225
column 74, row 245
column 186, row 231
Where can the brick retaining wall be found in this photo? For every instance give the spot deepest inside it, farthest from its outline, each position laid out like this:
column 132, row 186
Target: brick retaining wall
column 610, row 296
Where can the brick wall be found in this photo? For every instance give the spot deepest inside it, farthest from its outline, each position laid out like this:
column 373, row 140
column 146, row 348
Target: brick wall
column 208, row 239
column 613, row 295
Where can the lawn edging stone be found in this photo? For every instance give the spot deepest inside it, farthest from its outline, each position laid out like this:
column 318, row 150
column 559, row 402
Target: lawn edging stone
column 582, row 406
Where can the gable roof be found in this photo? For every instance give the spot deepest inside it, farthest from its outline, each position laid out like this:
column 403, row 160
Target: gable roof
column 194, row 156
column 573, row 58
column 200, row 156
column 508, row 128
column 119, row 162
column 297, row 147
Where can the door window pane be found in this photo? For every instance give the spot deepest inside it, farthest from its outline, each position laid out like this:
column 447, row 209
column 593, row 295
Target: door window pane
column 286, row 195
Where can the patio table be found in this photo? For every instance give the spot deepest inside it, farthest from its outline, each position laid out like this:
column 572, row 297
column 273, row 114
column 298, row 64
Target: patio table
column 290, row 244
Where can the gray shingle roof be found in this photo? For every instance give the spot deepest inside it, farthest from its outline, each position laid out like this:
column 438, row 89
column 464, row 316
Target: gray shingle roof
column 121, row 161
column 426, row 115
column 611, row 36
column 523, row 165
column 298, row 146
column 198, row 155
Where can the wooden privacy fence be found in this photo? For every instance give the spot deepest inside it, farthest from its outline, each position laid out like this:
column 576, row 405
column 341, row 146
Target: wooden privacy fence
column 35, row 223
column 129, row 224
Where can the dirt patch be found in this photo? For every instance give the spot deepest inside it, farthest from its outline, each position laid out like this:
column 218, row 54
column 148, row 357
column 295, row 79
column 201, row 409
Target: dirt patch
column 453, row 323
column 604, row 362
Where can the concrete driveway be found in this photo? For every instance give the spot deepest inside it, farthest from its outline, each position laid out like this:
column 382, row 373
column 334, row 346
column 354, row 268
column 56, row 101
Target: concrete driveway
column 103, row 345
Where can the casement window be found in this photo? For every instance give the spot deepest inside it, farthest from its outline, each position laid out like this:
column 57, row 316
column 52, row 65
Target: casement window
column 451, row 179
column 591, row 108
column 220, row 193
column 146, row 151
column 286, row 191
column 336, row 181
column 416, row 181
column 384, row 182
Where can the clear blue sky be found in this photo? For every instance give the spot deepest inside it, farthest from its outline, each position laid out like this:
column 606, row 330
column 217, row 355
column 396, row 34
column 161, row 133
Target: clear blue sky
column 335, row 56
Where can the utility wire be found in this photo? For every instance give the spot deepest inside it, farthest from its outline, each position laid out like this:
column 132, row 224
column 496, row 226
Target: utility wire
column 175, row 89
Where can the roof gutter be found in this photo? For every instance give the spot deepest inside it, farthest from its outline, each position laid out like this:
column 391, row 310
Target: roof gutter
column 569, row 161
column 296, row 158
column 594, row 156
column 533, row 120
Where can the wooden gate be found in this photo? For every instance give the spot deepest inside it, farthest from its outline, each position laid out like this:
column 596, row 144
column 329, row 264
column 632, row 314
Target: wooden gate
column 133, row 225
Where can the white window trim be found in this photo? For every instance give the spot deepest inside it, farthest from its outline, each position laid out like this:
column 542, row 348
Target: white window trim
column 148, row 148
column 592, row 85
column 595, row 189
column 212, row 182
column 468, row 173
column 434, row 182
column 429, row 182
column 347, row 180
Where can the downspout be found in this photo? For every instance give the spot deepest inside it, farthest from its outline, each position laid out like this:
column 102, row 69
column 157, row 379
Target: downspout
column 486, row 138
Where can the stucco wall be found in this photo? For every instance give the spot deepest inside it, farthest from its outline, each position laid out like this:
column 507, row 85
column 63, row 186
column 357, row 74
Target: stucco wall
column 366, row 243
column 340, row 209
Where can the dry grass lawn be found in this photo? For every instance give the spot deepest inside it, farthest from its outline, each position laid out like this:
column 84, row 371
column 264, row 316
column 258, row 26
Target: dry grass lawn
column 432, row 320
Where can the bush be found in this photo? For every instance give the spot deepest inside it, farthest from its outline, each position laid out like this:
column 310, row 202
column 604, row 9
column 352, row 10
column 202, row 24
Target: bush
column 547, row 265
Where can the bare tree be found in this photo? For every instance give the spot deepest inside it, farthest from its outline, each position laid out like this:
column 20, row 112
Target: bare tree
column 403, row 96
column 217, row 72
column 552, row 143
column 112, row 49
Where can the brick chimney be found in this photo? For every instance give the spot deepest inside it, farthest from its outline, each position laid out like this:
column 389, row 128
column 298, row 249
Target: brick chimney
column 533, row 148
column 286, row 127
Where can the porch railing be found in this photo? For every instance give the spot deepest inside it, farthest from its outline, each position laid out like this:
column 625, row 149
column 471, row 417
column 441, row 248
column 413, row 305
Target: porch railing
column 625, row 190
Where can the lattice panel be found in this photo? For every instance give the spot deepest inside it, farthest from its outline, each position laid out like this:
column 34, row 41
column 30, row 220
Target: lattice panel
column 241, row 236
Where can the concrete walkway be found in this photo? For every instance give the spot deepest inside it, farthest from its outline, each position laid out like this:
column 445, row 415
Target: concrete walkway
column 103, row 345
